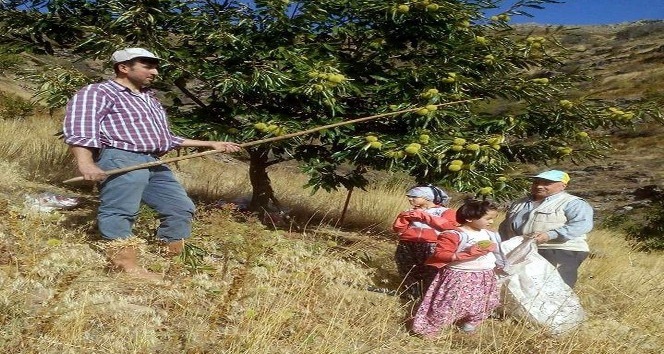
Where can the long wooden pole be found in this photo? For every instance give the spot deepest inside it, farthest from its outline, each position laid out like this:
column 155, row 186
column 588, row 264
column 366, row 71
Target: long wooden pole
column 266, row 140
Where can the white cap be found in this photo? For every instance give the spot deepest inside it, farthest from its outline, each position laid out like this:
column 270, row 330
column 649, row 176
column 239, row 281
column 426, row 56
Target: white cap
column 131, row 53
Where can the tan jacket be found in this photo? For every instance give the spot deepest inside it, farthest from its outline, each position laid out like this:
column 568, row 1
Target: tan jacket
column 548, row 216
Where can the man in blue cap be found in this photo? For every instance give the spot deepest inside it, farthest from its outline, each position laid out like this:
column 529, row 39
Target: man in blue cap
column 558, row 221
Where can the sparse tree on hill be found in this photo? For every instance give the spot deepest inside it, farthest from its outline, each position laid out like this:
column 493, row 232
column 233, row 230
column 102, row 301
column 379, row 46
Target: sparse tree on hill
column 242, row 70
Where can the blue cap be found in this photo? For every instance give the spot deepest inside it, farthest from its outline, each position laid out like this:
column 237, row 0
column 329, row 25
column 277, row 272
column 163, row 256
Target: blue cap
column 553, row 175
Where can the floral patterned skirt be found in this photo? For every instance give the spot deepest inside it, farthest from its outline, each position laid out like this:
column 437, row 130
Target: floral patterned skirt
column 456, row 297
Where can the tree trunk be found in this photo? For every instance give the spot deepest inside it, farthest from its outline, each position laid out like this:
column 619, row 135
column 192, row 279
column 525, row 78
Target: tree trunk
column 345, row 209
column 261, row 185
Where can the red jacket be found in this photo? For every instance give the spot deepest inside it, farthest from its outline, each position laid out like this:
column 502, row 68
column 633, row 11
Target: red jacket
column 451, row 242
column 424, row 225
column 447, row 245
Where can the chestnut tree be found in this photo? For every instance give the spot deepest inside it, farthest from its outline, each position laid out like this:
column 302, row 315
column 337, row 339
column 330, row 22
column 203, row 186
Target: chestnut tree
column 245, row 70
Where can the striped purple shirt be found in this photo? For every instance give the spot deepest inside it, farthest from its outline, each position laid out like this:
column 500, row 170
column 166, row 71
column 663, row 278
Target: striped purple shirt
column 109, row 114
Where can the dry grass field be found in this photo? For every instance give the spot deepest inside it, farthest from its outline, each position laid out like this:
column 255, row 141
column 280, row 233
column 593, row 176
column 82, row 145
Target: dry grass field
column 248, row 288
column 258, row 290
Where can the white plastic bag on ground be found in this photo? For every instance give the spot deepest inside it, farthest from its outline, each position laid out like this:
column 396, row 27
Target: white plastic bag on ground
column 47, row 202
column 535, row 291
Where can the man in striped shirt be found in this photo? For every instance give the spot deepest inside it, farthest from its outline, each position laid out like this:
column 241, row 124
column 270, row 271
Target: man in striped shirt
column 120, row 123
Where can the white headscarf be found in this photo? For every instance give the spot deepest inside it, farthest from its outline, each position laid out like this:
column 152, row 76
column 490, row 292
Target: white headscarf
column 427, row 192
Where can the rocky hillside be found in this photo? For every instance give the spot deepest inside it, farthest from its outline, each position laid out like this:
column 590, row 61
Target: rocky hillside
column 625, row 63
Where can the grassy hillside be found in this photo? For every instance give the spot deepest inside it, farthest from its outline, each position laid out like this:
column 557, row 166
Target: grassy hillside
column 256, row 290
column 247, row 288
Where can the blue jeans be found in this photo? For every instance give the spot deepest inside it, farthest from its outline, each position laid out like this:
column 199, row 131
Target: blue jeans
column 120, row 197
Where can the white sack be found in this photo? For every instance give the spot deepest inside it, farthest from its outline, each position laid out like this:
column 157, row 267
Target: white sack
column 534, row 290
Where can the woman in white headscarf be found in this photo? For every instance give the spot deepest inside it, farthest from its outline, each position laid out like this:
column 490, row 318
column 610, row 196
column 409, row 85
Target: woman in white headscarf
column 418, row 229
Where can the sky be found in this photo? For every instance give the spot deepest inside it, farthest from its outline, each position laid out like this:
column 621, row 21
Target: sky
column 593, row 12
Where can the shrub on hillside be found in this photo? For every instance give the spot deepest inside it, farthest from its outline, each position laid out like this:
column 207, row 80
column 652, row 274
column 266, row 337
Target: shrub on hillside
column 650, row 233
column 8, row 61
column 14, row 107
column 644, row 226
column 639, row 30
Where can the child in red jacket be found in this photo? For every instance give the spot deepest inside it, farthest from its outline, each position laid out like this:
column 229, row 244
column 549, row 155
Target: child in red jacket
column 465, row 290
column 418, row 229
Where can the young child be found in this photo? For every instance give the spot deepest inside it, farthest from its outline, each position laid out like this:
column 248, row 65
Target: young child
column 418, row 228
column 464, row 291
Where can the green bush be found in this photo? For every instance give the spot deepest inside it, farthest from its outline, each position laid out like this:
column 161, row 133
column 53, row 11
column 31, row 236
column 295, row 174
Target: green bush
column 650, row 233
column 9, row 61
column 643, row 226
column 14, row 107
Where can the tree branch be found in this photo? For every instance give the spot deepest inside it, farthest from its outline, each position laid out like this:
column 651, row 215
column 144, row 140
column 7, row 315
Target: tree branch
column 181, row 84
